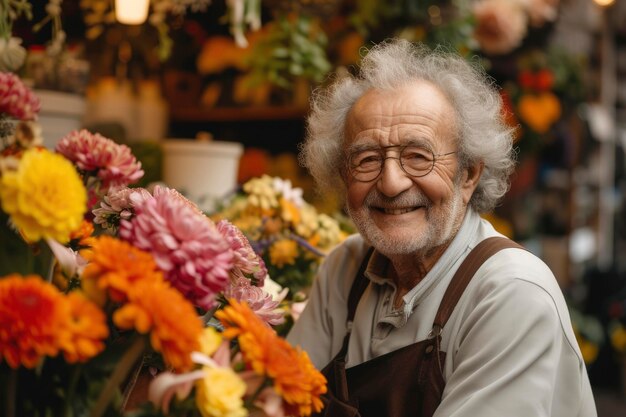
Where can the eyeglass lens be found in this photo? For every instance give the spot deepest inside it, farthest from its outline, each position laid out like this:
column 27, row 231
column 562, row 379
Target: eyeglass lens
column 367, row 164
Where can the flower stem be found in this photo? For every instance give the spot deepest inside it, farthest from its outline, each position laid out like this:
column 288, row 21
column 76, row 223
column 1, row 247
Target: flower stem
column 124, row 366
column 67, row 410
column 11, row 393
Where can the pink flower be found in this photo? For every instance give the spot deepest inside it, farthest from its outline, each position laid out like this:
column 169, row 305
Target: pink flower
column 185, row 244
column 117, row 205
column 113, row 163
column 297, row 309
column 259, row 301
column 541, row 11
column 247, row 261
column 17, row 100
column 500, row 25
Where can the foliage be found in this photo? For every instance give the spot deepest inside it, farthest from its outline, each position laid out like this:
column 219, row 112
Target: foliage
column 293, row 48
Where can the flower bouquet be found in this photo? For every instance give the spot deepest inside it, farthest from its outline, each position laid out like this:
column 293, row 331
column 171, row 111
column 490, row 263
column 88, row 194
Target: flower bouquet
column 286, row 231
column 103, row 285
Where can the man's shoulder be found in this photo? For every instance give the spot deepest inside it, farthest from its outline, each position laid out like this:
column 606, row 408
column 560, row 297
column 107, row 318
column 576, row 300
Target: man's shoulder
column 353, row 247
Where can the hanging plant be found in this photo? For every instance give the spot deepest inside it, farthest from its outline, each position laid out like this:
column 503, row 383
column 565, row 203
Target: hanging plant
column 294, row 48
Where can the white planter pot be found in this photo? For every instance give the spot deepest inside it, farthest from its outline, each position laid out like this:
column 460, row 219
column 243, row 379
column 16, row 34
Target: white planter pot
column 60, row 114
column 204, row 172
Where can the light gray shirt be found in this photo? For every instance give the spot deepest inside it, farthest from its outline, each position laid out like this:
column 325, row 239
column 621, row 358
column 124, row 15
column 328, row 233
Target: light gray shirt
column 511, row 350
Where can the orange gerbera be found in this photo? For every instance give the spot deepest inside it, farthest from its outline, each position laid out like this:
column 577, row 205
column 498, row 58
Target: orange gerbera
column 32, row 316
column 291, row 370
column 116, row 266
column 87, row 329
column 174, row 326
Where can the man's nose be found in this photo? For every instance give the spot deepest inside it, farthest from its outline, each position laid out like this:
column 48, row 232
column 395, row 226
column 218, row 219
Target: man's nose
column 393, row 180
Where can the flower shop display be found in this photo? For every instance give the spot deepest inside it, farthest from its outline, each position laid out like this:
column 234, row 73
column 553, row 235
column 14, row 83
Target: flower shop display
column 102, row 284
column 289, row 234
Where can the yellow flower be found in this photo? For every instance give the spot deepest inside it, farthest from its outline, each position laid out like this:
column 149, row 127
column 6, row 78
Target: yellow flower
column 289, row 211
column 44, row 196
column 210, row 340
column 261, row 193
column 329, row 231
column 618, row 338
column 309, row 223
column 220, row 393
column 283, row 252
column 588, row 349
column 250, row 225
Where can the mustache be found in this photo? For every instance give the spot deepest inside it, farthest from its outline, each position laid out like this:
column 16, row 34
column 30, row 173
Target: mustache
column 376, row 199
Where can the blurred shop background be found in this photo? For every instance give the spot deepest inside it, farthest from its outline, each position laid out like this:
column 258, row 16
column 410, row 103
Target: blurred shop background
column 210, row 94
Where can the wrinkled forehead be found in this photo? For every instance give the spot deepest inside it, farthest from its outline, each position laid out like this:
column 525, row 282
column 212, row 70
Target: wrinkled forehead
column 416, row 111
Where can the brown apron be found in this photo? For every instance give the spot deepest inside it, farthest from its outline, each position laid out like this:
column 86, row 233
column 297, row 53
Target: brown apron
column 408, row 381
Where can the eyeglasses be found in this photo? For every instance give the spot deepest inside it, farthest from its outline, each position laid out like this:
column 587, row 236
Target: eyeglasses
column 365, row 165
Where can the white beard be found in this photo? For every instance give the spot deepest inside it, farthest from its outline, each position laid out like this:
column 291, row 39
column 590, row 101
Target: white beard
column 441, row 224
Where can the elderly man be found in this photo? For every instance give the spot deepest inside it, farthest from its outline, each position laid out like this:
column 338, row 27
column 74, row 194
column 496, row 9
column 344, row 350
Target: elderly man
column 429, row 311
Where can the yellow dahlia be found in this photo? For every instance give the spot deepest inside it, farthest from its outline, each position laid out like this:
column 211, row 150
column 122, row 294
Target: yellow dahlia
column 210, row 340
column 174, row 326
column 32, row 318
column 289, row 211
column 220, row 393
column 44, row 196
column 283, row 252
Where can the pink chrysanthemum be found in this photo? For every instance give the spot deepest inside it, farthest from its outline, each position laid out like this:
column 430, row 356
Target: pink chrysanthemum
column 17, row 100
column 247, row 261
column 117, row 205
column 258, row 300
column 185, row 244
column 113, row 163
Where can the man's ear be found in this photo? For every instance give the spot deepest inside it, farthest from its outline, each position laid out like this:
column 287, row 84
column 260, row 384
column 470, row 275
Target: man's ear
column 470, row 180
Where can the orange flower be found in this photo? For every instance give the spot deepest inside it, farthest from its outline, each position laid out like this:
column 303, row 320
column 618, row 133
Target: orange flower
column 290, row 212
column 32, row 316
column 293, row 374
column 539, row 111
column 174, row 326
column 83, row 234
column 116, row 266
column 87, row 329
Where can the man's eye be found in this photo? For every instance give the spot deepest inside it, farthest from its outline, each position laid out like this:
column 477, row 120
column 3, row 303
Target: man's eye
column 416, row 155
column 369, row 159
column 365, row 159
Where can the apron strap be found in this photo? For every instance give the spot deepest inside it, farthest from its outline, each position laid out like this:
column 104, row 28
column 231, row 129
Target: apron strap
column 359, row 285
column 483, row 251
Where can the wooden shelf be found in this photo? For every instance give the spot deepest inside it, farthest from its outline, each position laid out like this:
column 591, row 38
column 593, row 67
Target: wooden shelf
column 232, row 114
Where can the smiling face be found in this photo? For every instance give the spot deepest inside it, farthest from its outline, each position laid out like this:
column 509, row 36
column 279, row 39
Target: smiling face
column 396, row 213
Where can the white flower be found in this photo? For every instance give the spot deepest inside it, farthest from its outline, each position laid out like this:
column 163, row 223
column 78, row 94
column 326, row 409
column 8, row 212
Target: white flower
column 70, row 261
column 289, row 193
column 12, row 54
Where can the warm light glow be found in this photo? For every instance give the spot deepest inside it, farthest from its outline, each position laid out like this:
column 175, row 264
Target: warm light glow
column 131, row 12
column 604, row 3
